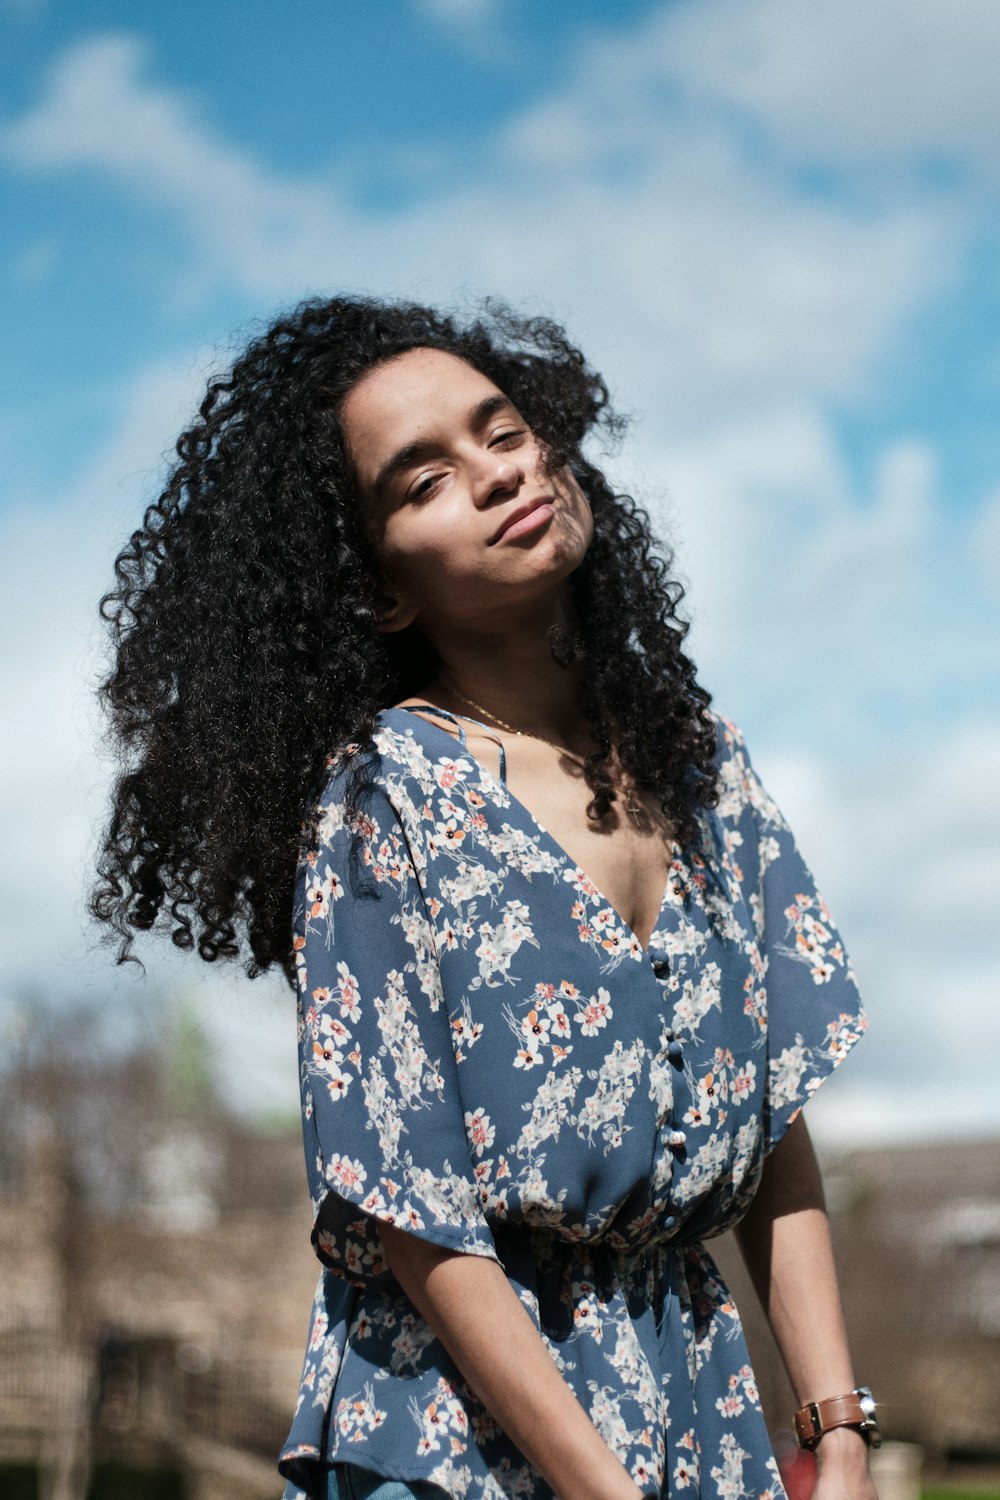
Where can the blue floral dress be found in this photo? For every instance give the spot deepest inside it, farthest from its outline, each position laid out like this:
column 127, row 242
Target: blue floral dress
column 491, row 1060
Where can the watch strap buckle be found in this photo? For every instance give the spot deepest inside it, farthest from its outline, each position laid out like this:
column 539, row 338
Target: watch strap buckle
column 808, row 1425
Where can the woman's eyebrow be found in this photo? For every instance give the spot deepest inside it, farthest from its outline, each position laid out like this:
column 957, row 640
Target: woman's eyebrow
column 415, row 453
column 403, row 458
column 489, row 407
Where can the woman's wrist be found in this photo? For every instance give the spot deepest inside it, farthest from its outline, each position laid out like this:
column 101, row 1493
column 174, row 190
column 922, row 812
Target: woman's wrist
column 842, row 1447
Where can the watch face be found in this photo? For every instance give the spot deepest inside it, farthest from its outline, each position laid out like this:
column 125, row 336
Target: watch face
column 870, row 1428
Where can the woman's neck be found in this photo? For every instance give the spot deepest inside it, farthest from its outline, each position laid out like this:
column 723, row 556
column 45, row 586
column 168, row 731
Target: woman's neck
column 515, row 678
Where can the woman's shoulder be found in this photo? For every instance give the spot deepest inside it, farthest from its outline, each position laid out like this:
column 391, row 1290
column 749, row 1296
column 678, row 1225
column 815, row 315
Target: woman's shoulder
column 397, row 765
column 727, row 731
column 740, row 788
column 730, row 744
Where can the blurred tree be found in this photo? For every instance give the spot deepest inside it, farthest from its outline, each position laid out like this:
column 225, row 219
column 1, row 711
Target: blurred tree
column 188, row 1087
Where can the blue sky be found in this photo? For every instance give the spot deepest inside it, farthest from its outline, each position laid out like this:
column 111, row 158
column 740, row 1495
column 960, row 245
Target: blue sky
column 773, row 227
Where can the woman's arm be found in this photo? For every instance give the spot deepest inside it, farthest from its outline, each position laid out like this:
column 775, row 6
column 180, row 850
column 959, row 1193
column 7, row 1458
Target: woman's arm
column 785, row 1240
column 472, row 1308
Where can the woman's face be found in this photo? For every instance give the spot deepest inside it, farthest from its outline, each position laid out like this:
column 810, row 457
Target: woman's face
column 467, row 523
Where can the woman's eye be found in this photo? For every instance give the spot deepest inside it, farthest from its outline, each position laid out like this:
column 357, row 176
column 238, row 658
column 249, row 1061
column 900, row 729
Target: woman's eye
column 509, row 435
column 424, row 486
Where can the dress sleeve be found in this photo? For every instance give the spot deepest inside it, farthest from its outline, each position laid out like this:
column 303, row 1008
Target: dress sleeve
column 384, row 1125
column 808, row 997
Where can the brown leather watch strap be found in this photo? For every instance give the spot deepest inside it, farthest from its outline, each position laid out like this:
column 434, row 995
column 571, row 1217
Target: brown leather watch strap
column 817, row 1417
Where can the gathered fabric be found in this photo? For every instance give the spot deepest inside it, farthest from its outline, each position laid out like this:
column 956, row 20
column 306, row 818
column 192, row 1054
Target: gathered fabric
column 491, row 1060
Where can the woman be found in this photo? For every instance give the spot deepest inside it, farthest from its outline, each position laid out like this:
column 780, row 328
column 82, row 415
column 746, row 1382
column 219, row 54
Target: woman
column 564, row 981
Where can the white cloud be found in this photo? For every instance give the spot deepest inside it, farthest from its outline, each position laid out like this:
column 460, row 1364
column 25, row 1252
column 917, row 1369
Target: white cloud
column 844, row 84
column 475, row 27
column 838, row 618
column 984, row 546
column 848, row 81
column 57, row 563
column 866, row 611
column 906, row 847
column 757, row 291
column 710, row 291
column 100, row 113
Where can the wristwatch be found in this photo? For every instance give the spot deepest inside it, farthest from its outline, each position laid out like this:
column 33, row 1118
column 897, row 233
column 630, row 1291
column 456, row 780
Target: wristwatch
column 856, row 1410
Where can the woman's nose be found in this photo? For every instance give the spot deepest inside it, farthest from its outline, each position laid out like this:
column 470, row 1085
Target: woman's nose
column 498, row 474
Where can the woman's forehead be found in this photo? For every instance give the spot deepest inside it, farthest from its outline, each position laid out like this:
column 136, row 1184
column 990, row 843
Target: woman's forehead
column 409, row 399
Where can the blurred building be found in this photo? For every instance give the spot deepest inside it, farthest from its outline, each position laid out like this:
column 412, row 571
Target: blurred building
column 156, row 1353
column 917, row 1239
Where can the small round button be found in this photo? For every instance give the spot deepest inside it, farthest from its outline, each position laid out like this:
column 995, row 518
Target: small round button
column 669, row 1221
column 677, row 1139
column 661, row 967
column 675, row 1051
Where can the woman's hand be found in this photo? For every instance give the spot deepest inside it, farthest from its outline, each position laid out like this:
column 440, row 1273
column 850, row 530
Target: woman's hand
column 469, row 1304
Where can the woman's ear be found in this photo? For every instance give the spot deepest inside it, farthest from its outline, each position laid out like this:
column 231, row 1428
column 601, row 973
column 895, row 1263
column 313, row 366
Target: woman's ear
column 395, row 613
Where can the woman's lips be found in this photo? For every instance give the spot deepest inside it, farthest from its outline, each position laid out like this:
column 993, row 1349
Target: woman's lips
column 526, row 520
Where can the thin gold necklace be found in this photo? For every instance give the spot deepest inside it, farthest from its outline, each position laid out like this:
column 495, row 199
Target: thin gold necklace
column 632, row 807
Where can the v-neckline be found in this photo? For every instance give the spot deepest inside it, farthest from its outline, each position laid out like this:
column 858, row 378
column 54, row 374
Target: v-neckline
column 675, row 849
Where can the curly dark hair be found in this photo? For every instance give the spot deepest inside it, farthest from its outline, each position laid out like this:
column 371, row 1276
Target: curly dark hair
column 244, row 648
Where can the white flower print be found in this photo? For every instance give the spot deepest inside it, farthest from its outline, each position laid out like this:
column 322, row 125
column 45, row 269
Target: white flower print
column 465, row 1031
column 815, row 944
column 331, row 1063
column 728, row 1475
column 467, row 884
column 449, row 773
column 842, row 1035
column 605, row 1108
column 481, row 1132
column 443, row 1417
column 345, row 1173
column 358, row 1417
column 595, row 1014
column 587, row 1310
column 409, row 1344
column 743, row 1083
column 549, row 1109
column 703, row 1168
column 499, row 943
column 347, row 993
column 698, row 997
column 573, row 1132
column 687, row 1466
column 787, row 1070
column 331, row 821
column 606, row 1415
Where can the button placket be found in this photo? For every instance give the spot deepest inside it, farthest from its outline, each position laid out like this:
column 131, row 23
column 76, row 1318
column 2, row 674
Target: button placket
column 673, row 1140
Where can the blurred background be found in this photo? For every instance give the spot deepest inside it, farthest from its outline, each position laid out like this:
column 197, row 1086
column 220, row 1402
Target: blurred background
column 774, row 228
